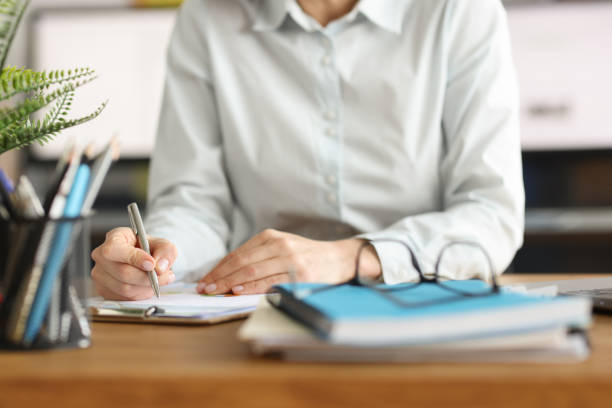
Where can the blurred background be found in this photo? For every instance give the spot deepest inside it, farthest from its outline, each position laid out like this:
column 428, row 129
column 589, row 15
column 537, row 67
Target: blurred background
column 563, row 56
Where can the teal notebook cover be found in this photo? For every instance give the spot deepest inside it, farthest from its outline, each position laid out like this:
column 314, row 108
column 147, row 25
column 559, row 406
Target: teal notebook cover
column 344, row 305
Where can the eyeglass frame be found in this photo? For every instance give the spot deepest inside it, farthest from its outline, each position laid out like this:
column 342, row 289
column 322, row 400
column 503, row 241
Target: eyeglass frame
column 423, row 279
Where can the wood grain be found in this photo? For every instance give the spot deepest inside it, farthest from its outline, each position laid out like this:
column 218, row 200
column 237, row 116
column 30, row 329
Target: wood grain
column 138, row 365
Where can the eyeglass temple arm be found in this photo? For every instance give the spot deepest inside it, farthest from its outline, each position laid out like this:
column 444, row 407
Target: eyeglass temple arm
column 494, row 283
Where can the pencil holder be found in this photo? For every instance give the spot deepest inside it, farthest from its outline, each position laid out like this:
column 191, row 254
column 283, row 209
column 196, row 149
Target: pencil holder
column 45, row 284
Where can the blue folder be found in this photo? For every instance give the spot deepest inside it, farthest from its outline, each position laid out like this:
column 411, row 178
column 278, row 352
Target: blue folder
column 358, row 315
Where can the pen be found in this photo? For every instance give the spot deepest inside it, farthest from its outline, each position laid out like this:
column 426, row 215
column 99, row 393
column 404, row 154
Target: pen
column 99, row 168
column 139, row 230
column 29, row 203
column 59, row 245
column 41, row 242
column 63, row 175
column 6, row 191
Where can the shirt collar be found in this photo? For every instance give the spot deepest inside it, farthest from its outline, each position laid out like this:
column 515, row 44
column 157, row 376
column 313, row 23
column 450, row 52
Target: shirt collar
column 269, row 14
column 388, row 14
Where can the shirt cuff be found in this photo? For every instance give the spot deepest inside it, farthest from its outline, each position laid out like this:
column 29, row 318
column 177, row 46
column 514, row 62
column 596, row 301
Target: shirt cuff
column 395, row 260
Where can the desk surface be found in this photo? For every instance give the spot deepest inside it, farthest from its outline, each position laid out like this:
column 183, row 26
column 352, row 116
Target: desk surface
column 206, row 366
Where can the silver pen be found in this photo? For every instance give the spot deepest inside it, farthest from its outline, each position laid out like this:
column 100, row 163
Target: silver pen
column 139, row 230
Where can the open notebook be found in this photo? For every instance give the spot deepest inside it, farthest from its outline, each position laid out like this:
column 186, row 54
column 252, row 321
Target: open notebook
column 178, row 303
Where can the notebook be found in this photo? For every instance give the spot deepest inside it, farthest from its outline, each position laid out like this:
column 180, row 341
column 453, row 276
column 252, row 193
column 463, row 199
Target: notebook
column 271, row 332
column 357, row 315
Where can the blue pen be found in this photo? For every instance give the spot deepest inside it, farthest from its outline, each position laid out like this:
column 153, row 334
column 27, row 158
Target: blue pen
column 6, row 182
column 74, row 202
column 6, row 189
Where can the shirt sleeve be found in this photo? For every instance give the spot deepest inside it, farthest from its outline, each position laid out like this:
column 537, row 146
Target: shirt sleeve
column 483, row 195
column 189, row 199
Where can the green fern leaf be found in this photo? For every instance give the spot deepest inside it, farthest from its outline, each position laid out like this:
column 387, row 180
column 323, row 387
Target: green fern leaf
column 25, row 133
column 53, row 88
column 13, row 11
column 20, row 80
column 33, row 104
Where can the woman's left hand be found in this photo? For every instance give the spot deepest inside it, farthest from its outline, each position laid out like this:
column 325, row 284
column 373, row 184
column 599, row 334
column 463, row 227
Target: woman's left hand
column 266, row 259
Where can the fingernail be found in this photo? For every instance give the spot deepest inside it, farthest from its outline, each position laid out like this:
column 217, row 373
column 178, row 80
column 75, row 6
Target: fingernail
column 162, row 265
column 200, row 287
column 238, row 288
column 147, row 266
column 171, row 278
column 210, row 288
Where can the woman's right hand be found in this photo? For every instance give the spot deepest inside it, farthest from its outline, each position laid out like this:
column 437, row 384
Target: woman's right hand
column 121, row 267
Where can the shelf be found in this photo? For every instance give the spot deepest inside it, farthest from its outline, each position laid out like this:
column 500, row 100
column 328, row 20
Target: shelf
column 568, row 220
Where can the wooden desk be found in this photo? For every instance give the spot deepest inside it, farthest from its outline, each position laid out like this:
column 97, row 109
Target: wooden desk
column 145, row 365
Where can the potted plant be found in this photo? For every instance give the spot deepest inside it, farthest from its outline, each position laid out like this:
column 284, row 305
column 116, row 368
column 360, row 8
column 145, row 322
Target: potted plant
column 24, row 91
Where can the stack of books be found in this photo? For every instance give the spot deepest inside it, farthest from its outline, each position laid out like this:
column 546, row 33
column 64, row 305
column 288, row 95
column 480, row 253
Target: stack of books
column 429, row 323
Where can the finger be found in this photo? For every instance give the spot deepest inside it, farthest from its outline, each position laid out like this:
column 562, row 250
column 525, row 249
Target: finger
column 257, row 240
column 249, row 273
column 121, row 252
column 237, row 260
column 164, row 252
column 166, row 278
column 126, row 290
column 122, row 235
column 107, row 294
column 110, row 295
column 260, row 286
column 125, row 273
column 106, row 282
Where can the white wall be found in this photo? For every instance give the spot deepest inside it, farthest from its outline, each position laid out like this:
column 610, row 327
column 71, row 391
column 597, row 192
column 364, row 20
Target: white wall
column 17, row 55
column 18, row 52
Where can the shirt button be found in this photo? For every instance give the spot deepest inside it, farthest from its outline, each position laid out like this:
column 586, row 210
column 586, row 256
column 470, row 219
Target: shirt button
column 325, row 41
column 331, row 115
column 332, row 198
column 326, row 60
column 330, row 132
column 331, row 179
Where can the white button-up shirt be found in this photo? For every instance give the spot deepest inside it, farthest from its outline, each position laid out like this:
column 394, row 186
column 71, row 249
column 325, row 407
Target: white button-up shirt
column 398, row 120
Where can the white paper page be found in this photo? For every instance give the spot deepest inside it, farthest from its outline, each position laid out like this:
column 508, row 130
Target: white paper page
column 271, row 329
column 183, row 297
column 546, row 291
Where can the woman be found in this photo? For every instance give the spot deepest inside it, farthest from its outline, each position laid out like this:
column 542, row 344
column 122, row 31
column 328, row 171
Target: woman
column 292, row 132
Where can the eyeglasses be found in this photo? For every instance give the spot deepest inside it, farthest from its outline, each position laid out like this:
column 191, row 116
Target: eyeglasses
column 438, row 277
